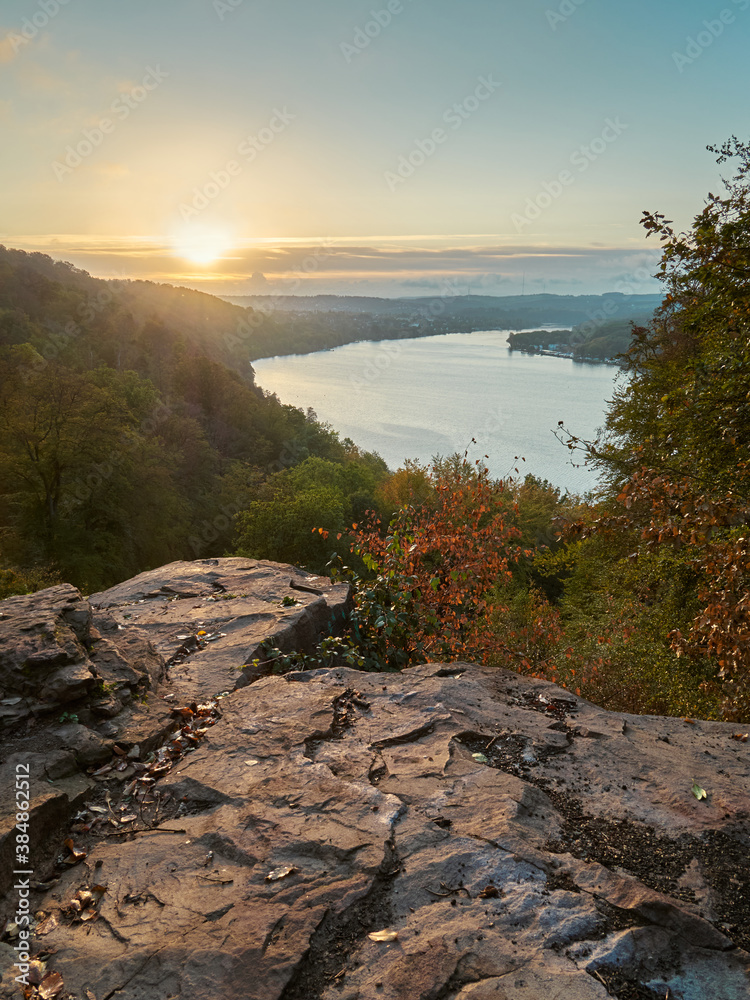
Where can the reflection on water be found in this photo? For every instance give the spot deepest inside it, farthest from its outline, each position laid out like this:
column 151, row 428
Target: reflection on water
column 432, row 395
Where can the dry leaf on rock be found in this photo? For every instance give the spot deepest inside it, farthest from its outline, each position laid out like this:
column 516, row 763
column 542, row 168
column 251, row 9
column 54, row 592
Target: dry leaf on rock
column 698, row 792
column 279, row 873
column 50, row 986
column 47, row 925
column 383, row 936
column 75, row 854
column 37, row 972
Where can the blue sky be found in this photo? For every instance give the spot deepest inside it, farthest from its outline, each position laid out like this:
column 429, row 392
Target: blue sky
column 419, row 142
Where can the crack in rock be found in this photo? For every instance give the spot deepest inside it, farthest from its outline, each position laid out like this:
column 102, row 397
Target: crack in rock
column 345, row 708
column 337, row 936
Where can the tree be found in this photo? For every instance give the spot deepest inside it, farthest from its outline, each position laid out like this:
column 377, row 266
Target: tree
column 677, row 448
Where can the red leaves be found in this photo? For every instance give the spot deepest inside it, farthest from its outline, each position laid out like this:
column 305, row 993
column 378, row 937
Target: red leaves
column 83, row 907
column 450, row 555
column 74, row 854
column 50, row 986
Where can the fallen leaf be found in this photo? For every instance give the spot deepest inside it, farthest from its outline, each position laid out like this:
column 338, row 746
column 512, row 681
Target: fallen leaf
column 742, row 737
column 51, row 986
column 37, row 971
column 383, row 936
column 490, row 891
column 76, row 855
column 480, row 757
column 279, row 873
column 698, row 792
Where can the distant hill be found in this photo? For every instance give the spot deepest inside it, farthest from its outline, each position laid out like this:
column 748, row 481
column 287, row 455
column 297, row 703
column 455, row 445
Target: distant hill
column 528, row 310
column 593, row 341
column 131, row 429
column 303, row 324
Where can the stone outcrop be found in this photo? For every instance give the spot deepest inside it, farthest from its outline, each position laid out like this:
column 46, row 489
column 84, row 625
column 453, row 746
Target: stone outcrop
column 448, row 833
column 80, row 677
column 238, row 604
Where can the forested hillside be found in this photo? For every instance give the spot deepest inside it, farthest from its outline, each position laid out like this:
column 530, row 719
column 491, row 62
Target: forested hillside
column 131, row 430
column 601, row 341
column 300, row 324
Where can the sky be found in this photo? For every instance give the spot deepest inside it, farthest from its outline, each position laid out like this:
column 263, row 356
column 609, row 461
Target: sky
column 384, row 147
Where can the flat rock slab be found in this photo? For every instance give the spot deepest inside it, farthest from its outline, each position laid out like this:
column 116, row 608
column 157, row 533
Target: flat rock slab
column 512, row 841
column 238, row 604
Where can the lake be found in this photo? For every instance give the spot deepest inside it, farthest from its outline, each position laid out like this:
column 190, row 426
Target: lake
column 432, row 395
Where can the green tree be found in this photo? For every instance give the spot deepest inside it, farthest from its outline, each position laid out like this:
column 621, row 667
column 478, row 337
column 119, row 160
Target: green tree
column 676, row 453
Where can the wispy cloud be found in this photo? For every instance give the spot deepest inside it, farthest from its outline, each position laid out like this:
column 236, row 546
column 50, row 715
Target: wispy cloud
column 409, row 266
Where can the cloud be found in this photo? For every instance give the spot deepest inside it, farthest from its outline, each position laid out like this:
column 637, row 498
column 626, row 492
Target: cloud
column 391, row 269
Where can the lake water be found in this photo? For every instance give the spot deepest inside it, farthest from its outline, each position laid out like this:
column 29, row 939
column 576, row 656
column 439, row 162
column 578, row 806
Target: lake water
column 432, row 395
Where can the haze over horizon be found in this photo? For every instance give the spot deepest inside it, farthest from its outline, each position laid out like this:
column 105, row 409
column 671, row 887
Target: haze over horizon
column 395, row 147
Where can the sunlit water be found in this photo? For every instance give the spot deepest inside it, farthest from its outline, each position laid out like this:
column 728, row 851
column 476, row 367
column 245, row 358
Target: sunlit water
column 432, row 395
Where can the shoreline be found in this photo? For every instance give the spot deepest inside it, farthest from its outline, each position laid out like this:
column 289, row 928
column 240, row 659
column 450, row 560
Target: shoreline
column 447, row 333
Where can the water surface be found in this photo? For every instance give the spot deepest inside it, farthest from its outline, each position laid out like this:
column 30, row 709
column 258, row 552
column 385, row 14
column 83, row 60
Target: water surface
column 432, row 395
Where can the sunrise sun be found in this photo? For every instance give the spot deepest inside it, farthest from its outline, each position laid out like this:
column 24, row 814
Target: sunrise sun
column 202, row 245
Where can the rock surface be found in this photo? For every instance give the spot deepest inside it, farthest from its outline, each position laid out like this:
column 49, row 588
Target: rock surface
column 238, row 603
column 514, row 842
column 80, row 678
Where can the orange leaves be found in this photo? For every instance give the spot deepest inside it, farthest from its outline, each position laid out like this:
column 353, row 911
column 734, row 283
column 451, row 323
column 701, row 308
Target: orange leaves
column 447, row 557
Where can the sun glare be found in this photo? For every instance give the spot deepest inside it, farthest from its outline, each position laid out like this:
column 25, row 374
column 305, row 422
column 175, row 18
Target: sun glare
column 202, row 245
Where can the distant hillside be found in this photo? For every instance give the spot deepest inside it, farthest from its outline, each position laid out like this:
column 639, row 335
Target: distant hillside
column 591, row 341
column 322, row 321
column 302, row 324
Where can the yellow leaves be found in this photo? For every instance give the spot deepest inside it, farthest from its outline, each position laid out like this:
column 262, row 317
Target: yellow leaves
column 383, row 936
